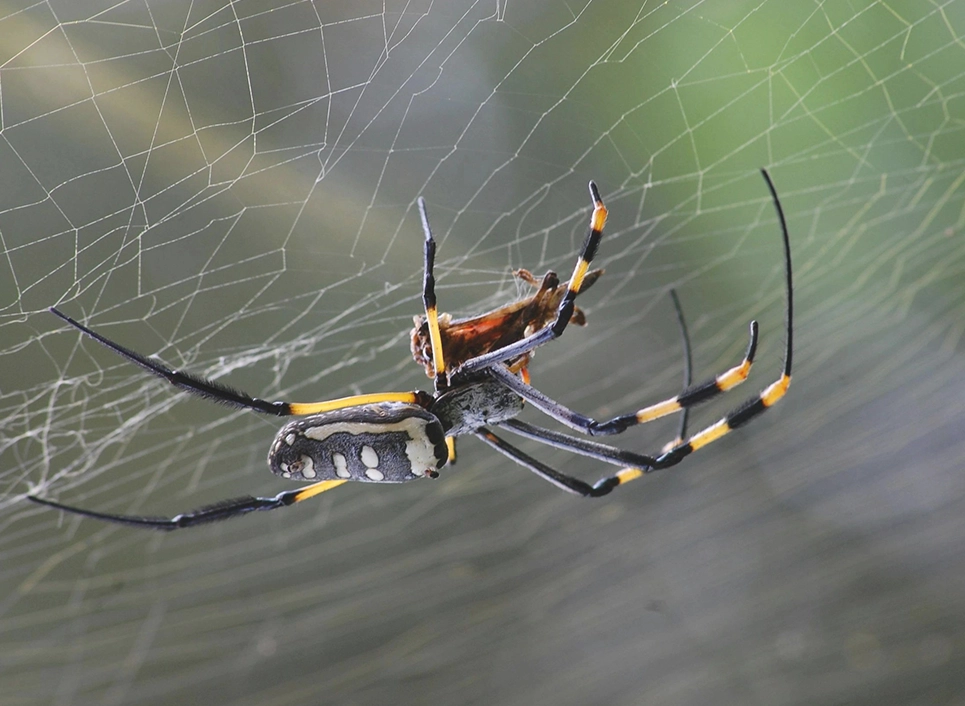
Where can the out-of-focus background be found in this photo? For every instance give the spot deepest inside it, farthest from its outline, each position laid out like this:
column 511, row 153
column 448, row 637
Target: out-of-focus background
column 230, row 186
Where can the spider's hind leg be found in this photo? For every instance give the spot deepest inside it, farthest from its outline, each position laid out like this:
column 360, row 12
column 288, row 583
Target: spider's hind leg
column 568, row 483
column 215, row 512
column 223, row 394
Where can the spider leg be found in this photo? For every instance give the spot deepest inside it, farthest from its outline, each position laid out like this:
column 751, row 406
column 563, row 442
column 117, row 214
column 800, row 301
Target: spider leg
column 603, row 452
column 699, row 393
column 774, row 392
column 429, row 301
column 577, row 445
column 223, row 394
column 688, row 369
column 564, row 312
column 560, row 480
column 440, row 380
column 223, row 510
column 686, row 399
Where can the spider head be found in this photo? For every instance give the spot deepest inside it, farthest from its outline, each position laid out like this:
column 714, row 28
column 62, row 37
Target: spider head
column 466, row 408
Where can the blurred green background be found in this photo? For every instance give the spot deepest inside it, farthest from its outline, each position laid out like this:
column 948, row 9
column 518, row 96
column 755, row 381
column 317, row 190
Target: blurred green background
column 231, row 187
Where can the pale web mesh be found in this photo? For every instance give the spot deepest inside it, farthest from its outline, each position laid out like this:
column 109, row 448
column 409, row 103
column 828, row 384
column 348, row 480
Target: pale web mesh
column 231, row 187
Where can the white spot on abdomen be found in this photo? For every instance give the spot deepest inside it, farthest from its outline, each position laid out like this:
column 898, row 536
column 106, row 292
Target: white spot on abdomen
column 308, row 467
column 421, row 454
column 369, row 457
column 341, row 465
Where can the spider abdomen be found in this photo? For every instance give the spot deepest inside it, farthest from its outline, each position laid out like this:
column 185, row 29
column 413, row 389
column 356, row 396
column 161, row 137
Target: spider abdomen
column 377, row 443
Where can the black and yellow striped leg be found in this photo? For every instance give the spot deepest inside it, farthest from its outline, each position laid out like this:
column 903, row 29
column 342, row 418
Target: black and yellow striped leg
column 774, row 392
column 218, row 392
column 440, row 379
column 429, row 301
column 209, row 513
column 688, row 398
column 742, row 415
column 564, row 312
column 739, row 417
column 560, row 480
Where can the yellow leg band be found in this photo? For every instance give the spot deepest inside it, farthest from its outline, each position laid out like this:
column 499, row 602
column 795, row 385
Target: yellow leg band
column 733, row 377
column 628, row 474
column 435, row 338
column 318, row 488
column 299, row 408
column 776, row 391
column 656, row 411
column 710, row 434
column 599, row 216
column 579, row 272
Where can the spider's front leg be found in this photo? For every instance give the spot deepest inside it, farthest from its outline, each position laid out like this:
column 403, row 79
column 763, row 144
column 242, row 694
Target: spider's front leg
column 690, row 397
column 554, row 329
column 740, row 416
column 429, row 302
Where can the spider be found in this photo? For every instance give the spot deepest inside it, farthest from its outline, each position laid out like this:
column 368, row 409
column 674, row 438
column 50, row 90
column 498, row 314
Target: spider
column 394, row 437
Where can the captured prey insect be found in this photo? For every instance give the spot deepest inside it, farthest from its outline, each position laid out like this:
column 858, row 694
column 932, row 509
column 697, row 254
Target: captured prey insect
column 394, row 437
column 463, row 339
column 466, row 338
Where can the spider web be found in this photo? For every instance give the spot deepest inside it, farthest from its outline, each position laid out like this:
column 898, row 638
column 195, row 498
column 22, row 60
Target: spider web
column 231, row 186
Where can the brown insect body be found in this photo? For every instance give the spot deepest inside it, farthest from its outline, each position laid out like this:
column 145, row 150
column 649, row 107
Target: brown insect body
column 467, row 338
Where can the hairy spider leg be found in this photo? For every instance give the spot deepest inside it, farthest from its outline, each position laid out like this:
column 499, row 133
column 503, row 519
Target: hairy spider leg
column 209, row 513
column 223, row 394
column 685, row 400
column 440, row 379
column 574, row 444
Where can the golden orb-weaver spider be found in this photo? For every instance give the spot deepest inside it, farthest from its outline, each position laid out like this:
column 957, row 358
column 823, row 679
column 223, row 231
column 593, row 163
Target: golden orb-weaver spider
column 393, row 437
